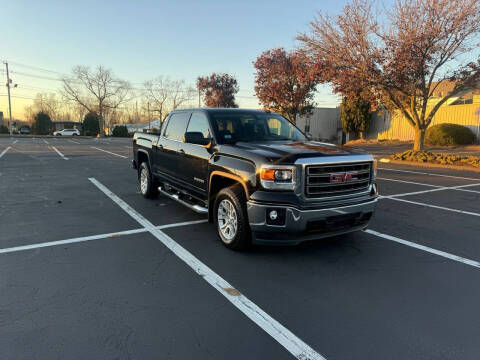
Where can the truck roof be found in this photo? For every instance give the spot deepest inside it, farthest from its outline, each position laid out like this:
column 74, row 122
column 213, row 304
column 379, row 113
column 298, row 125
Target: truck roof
column 217, row 110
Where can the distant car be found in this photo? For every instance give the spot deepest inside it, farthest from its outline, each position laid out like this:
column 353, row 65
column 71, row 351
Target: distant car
column 25, row 130
column 67, row 132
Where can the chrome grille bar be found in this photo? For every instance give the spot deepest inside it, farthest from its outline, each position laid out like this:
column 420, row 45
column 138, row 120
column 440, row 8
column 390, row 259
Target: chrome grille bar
column 318, row 181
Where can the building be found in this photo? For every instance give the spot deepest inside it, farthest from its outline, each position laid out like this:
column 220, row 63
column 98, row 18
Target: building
column 1, row 118
column 471, row 96
column 322, row 124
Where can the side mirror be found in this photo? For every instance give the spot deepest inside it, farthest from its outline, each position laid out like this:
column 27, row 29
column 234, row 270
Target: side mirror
column 309, row 136
column 197, row 138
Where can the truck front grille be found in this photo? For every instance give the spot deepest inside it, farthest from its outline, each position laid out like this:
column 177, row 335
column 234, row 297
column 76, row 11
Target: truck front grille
column 336, row 180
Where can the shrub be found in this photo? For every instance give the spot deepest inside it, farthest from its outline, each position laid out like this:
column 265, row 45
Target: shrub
column 449, row 134
column 91, row 125
column 4, row 129
column 120, row 131
column 437, row 158
column 42, row 124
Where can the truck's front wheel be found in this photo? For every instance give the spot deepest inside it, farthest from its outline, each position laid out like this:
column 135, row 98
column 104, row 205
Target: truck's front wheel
column 231, row 218
column 147, row 184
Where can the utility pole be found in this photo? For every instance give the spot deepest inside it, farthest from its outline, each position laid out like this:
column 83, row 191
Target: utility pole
column 149, row 119
column 9, row 100
column 136, row 115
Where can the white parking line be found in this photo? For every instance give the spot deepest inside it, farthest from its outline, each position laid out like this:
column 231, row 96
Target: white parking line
column 45, row 141
column 15, row 142
column 442, row 188
column 282, row 335
column 69, row 241
column 459, row 188
column 407, row 182
column 432, row 206
column 5, row 151
column 122, row 156
column 425, row 248
column 430, row 174
column 59, row 153
column 93, row 237
column 73, row 141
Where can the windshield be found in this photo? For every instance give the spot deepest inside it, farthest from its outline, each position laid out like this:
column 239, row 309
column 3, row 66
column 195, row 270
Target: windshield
column 237, row 126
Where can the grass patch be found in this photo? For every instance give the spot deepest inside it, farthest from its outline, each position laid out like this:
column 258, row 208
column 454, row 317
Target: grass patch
column 437, row 158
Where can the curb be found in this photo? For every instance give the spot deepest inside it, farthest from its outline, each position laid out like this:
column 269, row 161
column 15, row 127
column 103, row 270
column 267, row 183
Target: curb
column 430, row 165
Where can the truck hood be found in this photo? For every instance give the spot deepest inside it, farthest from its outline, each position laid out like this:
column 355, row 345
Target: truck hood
column 290, row 151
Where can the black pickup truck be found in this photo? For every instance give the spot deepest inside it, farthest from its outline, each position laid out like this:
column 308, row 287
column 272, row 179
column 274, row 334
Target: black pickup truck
column 257, row 176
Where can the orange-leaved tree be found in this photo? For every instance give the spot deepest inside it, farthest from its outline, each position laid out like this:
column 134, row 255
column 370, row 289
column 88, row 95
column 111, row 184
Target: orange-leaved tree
column 403, row 59
column 285, row 82
column 218, row 90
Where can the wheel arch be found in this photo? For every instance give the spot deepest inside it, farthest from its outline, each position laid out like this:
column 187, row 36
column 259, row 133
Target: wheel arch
column 218, row 181
column 143, row 156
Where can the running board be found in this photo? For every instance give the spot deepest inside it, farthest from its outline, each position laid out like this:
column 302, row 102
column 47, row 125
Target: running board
column 194, row 207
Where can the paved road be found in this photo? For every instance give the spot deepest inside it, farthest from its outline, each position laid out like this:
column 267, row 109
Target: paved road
column 407, row 289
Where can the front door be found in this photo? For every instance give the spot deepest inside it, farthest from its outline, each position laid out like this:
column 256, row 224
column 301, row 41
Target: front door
column 195, row 158
column 167, row 150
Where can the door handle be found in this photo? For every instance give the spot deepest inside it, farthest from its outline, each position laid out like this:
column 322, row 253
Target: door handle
column 181, row 152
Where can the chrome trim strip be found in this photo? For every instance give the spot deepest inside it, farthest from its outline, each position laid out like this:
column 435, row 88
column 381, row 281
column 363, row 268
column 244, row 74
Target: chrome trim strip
column 313, row 210
column 334, row 159
column 197, row 208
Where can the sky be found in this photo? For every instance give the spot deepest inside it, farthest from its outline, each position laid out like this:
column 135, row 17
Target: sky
column 142, row 39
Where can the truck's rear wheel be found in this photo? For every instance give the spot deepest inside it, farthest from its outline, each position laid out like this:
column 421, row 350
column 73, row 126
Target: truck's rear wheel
column 231, row 218
column 147, row 184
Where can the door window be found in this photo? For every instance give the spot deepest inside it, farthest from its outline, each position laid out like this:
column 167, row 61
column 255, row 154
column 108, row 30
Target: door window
column 199, row 124
column 176, row 126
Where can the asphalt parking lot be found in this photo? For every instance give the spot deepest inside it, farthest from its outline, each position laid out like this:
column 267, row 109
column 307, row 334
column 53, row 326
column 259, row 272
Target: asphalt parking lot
column 89, row 269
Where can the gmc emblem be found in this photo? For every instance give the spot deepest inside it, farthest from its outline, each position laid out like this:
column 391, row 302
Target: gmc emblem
column 343, row 177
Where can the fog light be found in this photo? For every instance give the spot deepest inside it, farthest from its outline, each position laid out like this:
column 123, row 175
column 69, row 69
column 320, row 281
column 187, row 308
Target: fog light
column 273, row 215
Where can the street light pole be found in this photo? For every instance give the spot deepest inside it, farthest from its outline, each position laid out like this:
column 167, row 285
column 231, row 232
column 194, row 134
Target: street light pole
column 9, row 100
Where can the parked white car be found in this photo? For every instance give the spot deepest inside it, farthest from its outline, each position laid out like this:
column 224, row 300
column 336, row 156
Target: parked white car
column 67, row 132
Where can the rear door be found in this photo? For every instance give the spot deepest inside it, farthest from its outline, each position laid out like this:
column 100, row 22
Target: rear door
column 166, row 152
column 195, row 158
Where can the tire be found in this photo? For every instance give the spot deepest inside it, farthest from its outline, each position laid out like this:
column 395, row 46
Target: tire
column 147, row 185
column 236, row 238
column 74, row 134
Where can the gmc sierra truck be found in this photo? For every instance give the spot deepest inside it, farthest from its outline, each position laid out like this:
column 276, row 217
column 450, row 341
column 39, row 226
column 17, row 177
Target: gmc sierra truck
column 257, row 176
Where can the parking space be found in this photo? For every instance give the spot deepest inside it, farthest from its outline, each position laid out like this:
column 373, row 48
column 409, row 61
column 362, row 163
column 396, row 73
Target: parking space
column 121, row 278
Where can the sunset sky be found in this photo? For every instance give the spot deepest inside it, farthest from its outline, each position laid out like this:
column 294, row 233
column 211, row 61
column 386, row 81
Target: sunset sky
column 140, row 40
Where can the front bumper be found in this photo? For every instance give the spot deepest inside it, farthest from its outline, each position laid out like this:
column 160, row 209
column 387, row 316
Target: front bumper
column 299, row 225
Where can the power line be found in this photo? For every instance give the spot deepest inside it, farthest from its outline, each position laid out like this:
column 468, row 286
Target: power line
column 35, row 76
column 37, row 68
column 18, row 97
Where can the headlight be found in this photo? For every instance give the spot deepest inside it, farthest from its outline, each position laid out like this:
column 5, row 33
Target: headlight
column 277, row 177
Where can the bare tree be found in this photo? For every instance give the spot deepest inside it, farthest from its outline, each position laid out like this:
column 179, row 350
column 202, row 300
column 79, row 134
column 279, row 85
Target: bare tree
column 421, row 44
column 97, row 91
column 165, row 95
column 46, row 103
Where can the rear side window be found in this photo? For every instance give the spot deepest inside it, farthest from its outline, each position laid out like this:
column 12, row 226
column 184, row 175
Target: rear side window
column 199, row 124
column 176, row 126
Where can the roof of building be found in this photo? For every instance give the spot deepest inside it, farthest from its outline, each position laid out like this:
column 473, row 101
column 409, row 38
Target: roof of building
column 446, row 86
